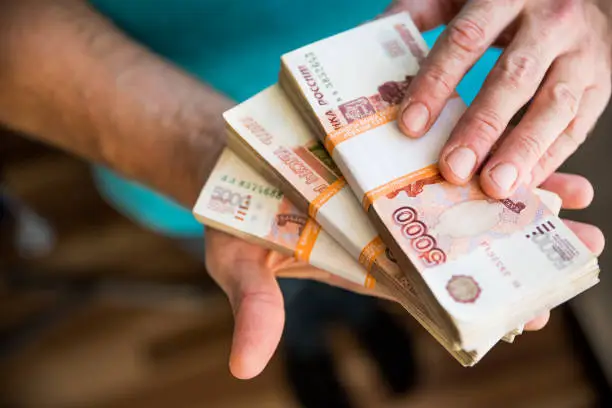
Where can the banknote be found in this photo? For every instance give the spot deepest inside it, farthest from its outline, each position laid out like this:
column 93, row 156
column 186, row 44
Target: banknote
column 474, row 255
column 238, row 200
column 234, row 187
column 267, row 132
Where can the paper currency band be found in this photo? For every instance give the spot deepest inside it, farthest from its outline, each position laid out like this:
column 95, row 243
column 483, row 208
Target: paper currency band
column 307, row 239
column 370, row 252
column 325, row 196
column 399, row 183
column 357, row 127
column 370, row 282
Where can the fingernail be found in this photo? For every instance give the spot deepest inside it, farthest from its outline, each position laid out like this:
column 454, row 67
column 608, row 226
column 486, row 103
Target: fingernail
column 415, row 118
column 461, row 162
column 504, row 175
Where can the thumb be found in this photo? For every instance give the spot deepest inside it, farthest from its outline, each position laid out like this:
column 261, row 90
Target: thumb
column 259, row 318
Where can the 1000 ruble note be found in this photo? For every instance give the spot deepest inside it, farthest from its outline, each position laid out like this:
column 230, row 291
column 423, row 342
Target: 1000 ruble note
column 487, row 265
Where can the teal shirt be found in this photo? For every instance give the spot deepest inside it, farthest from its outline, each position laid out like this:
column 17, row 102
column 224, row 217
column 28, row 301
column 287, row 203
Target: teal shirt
column 234, row 46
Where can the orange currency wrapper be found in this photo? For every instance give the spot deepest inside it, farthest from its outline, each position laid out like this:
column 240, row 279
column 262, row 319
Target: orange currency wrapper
column 474, row 257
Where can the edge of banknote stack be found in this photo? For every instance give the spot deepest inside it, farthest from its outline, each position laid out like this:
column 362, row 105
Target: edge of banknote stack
column 319, row 79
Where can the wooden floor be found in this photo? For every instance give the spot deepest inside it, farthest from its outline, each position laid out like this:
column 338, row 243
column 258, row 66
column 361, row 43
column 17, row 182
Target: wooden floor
column 124, row 345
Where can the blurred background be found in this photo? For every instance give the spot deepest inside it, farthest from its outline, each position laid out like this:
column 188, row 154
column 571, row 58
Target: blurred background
column 97, row 311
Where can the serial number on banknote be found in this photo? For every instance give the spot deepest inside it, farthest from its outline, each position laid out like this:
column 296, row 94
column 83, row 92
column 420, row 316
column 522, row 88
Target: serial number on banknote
column 253, row 187
column 317, row 68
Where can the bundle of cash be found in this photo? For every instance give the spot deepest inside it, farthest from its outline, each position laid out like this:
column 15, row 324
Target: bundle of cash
column 241, row 202
column 267, row 132
column 238, row 200
column 449, row 255
column 482, row 267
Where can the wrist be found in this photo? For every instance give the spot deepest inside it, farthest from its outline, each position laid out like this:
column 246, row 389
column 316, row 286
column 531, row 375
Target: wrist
column 180, row 151
column 171, row 133
column 203, row 147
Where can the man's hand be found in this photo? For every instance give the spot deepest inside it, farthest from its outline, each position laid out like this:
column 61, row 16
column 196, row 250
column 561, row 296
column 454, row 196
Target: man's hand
column 576, row 193
column 557, row 56
column 247, row 273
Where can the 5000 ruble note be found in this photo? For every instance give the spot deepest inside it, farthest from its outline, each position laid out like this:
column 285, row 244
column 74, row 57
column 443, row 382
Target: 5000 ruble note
column 488, row 265
column 267, row 132
column 237, row 200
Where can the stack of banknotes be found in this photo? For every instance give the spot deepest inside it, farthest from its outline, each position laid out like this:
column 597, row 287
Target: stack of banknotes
column 316, row 168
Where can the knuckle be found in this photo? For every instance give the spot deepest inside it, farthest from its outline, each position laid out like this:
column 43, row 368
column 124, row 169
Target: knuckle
column 565, row 10
column 547, row 161
column 440, row 79
column 487, row 127
column 554, row 156
column 539, row 173
column 576, row 132
column 519, row 69
column 529, row 146
column 564, row 97
column 558, row 15
column 467, row 34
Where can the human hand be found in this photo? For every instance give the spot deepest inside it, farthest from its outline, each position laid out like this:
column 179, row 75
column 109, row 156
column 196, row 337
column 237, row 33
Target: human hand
column 576, row 193
column 557, row 56
column 247, row 273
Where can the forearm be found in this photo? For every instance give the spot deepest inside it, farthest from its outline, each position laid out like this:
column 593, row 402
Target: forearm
column 70, row 78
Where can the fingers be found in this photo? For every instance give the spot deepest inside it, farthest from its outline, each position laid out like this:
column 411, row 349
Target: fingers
column 425, row 14
column 538, row 323
column 511, row 84
column 259, row 319
column 575, row 191
column 463, row 42
column 551, row 112
column 594, row 240
column 592, row 105
column 590, row 235
column 560, row 43
column 239, row 269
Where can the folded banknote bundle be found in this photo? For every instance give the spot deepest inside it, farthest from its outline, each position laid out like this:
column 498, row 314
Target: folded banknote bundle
column 334, row 183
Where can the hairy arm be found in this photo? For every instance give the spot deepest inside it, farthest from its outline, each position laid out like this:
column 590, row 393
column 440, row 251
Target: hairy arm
column 71, row 79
